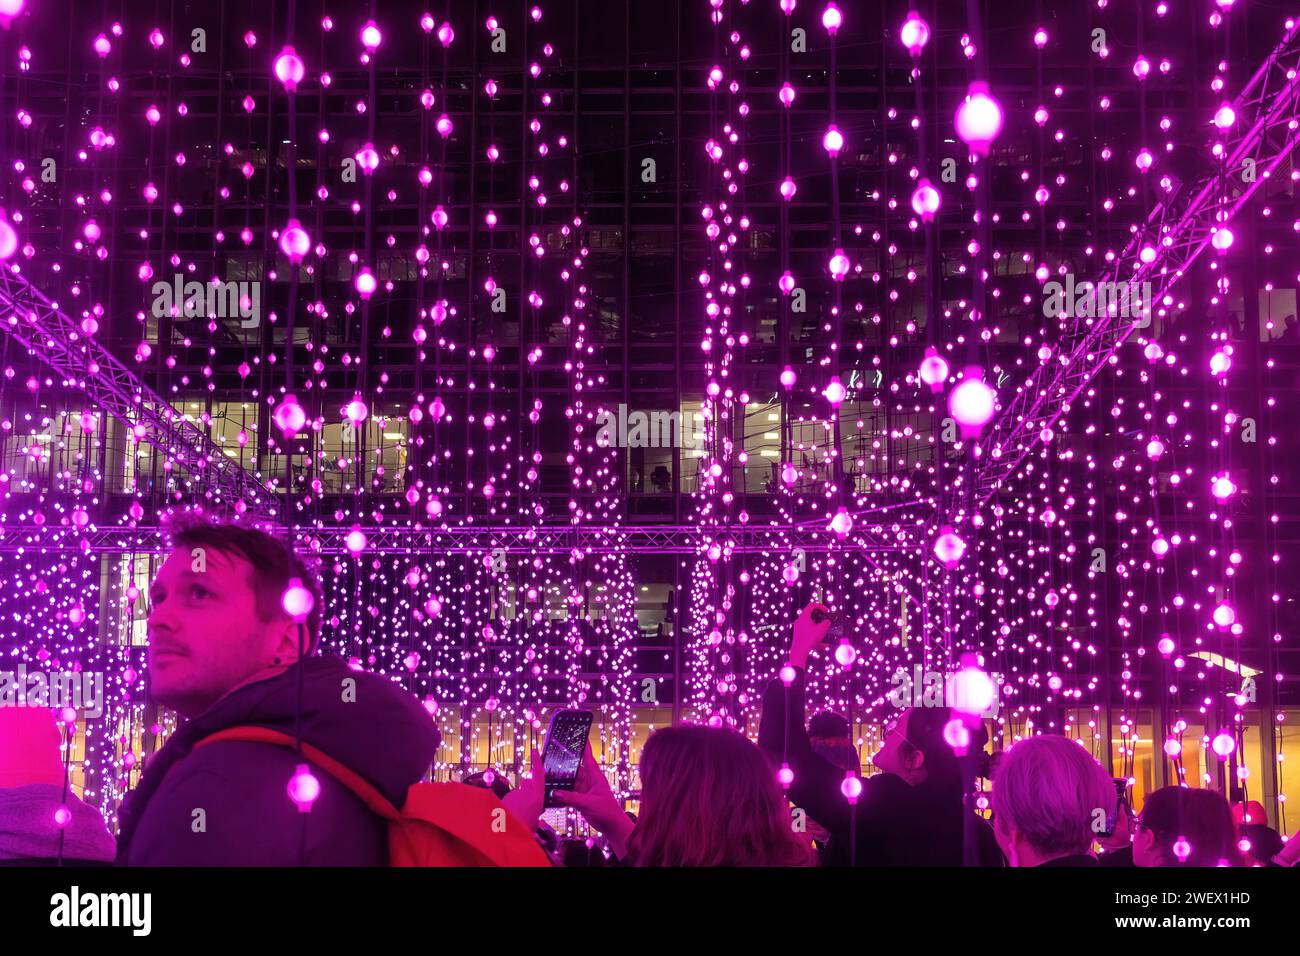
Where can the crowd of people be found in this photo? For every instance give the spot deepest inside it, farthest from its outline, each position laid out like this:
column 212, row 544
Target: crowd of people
column 263, row 713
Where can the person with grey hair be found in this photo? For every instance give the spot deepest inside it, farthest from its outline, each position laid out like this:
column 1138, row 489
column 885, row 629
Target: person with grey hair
column 1049, row 795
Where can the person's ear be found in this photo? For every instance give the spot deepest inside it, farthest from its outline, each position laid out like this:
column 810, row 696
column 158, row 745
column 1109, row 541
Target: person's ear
column 291, row 641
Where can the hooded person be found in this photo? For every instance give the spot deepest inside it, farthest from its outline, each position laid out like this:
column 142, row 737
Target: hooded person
column 39, row 825
column 225, row 652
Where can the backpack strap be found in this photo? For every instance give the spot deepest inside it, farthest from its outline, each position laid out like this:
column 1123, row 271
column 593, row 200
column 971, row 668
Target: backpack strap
column 375, row 801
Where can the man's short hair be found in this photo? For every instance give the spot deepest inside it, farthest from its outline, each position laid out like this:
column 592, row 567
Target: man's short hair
column 828, row 724
column 273, row 561
column 1049, row 789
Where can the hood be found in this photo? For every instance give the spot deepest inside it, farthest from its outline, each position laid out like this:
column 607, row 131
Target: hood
column 364, row 721
column 28, row 830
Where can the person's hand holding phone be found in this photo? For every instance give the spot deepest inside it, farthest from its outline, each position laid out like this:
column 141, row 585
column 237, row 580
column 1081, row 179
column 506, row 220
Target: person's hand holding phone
column 593, row 798
column 808, row 633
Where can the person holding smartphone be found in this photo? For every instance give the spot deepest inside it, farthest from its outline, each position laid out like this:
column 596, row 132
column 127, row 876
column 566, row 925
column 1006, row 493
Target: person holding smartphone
column 914, row 813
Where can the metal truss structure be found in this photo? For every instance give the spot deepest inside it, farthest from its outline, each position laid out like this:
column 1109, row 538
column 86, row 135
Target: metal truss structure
column 1161, row 252
column 48, row 333
column 471, row 539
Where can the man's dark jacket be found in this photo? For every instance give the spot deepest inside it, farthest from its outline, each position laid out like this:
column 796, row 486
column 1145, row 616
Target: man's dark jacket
column 373, row 727
column 892, row 824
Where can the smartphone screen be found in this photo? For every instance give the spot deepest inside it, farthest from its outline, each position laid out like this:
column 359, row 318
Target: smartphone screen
column 566, row 741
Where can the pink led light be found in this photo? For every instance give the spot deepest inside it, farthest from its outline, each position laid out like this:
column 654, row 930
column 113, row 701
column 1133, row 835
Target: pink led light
column 957, row 736
column 788, row 189
column 851, row 787
column 832, row 19
column 356, row 540
column 370, row 35
column 949, row 548
column 979, row 119
column 788, row 377
column 972, row 691
column 925, row 200
column 842, row 523
column 1165, row 645
column 915, row 33
column 356, row 410
column 1223, row 487
column 1173, row 748
column 1222, row 239
column 833, row 140
column 303, row 788
column 1224, row 744
column 1225, row 615
column 845, row 655
column 786, row 94
column 366, row 283
column 972, row 403
column 934, row 370
column 289, row 416
column 785, row 776
column 297, row 600
column 835, row 392
column 289, row 68
column 294, row 241
column 838, row 265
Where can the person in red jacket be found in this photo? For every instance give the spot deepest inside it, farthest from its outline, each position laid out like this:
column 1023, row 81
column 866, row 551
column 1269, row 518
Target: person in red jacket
column 224, row 652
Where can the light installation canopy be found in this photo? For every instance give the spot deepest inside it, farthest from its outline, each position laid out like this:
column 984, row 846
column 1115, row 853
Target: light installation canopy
column 423, row 259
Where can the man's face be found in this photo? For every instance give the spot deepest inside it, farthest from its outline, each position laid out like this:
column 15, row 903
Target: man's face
column 205, row 635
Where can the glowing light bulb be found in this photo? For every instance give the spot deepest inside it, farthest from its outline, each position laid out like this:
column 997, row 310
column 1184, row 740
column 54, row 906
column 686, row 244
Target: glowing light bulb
column 788, row 377
column 934, row 369
column 785, row 776
column 289, row 68
column 851, row 787
column 972, row 691
column 788, row 189
column 297, row 600
column 8, row 238
column 1224, row 744
column 294, row 241
column 835, row 391
column 842, row 523
column 845, row 655
column 949, row 548
column 832, row 18
column 925, row 200
column 915, row 33
column 979, row 119
column 366, row 283
column 1225, row 615
column 1165, row 645
column 957, row 736
column 1225, row 116
column 833, row 140
column 304, row 788
column 355, row 541
column 1223, row 488
column 839, row 265
column 356, row 410
column 786, row 94
column 289, row 416
column 972, row 403
column 370, row 35
column 1222, row 239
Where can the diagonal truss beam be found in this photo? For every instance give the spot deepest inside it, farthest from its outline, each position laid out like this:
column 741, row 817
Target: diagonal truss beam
column 48, row 333
column 1177, row 231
